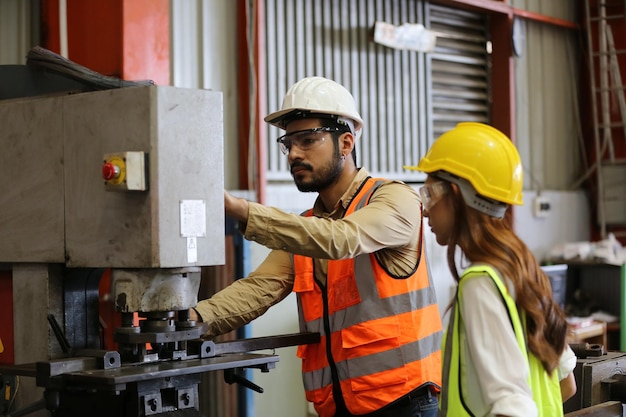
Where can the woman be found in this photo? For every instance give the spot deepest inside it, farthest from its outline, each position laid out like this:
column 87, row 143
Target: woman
column 506, row 337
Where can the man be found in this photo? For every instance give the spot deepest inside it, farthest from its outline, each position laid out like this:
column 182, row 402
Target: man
column 356, row 262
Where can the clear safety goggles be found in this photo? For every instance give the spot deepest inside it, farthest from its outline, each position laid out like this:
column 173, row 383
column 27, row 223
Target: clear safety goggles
column 430, row 194
column 305, row 140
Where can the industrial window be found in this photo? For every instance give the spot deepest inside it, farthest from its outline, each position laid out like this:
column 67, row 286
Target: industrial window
column 406, row 98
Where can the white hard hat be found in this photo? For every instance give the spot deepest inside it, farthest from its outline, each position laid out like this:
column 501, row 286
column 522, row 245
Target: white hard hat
column 316, row 95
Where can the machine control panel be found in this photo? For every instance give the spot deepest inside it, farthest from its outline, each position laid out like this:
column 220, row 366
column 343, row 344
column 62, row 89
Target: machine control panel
column 125, row 171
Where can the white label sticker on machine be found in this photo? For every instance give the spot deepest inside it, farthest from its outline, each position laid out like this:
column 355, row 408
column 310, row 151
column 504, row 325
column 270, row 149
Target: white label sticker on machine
column 192, row 218
column 192, row 225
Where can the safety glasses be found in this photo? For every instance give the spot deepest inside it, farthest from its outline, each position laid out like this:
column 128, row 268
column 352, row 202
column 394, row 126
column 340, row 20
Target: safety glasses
column 305, row 140
column 430, row 194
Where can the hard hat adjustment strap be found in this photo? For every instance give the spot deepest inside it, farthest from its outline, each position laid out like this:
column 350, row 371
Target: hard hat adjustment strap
column 479, row 202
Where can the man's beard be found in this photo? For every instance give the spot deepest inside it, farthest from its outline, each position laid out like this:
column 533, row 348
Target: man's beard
column 325, row 177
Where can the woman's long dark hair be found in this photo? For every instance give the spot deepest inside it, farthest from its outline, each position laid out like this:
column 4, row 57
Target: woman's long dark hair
column 485, row 239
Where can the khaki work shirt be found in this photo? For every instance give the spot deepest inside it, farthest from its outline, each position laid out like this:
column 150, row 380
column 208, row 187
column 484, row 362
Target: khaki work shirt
column 389, row 225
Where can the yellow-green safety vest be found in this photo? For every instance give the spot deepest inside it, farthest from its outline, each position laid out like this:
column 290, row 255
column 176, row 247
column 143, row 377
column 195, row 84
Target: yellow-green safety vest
column 545, row 388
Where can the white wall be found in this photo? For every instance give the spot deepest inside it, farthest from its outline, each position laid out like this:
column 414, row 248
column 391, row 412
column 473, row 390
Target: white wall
column 204, row 55
column 16, row 33
column 567, row 221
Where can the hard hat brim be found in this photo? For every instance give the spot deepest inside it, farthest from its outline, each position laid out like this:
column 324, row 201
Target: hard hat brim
column 278, row 118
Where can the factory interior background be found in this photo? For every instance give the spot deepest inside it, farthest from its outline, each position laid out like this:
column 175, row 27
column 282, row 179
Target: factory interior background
column 521, row 65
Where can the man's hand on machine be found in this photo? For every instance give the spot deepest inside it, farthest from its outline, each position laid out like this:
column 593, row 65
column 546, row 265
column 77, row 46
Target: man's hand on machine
column 194, row 316
column 235, row 207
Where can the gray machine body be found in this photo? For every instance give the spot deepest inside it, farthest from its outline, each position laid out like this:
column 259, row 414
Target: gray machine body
column 56, row 207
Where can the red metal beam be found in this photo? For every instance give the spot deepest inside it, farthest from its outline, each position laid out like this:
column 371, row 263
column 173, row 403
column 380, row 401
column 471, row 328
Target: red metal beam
column 501, row 7
column 7, row 353
column 259, row 54
column 146, row 40
column 541, row 18
column 250, row 90
column 118, row 38
column 503, row 76
column 478, row 5
column 94, row 35
column 245, row 95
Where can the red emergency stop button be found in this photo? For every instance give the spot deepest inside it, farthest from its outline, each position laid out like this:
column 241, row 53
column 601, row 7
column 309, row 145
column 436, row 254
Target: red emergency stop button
column 110, row 171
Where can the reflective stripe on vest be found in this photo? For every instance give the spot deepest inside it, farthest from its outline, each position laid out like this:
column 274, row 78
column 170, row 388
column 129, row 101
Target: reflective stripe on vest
column 383, row 334
column 545, row 388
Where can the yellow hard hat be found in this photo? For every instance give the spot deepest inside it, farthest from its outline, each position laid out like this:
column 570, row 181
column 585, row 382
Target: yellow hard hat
column 482, row 155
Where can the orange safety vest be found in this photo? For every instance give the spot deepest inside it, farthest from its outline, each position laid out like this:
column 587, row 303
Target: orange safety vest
column 380, row 334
